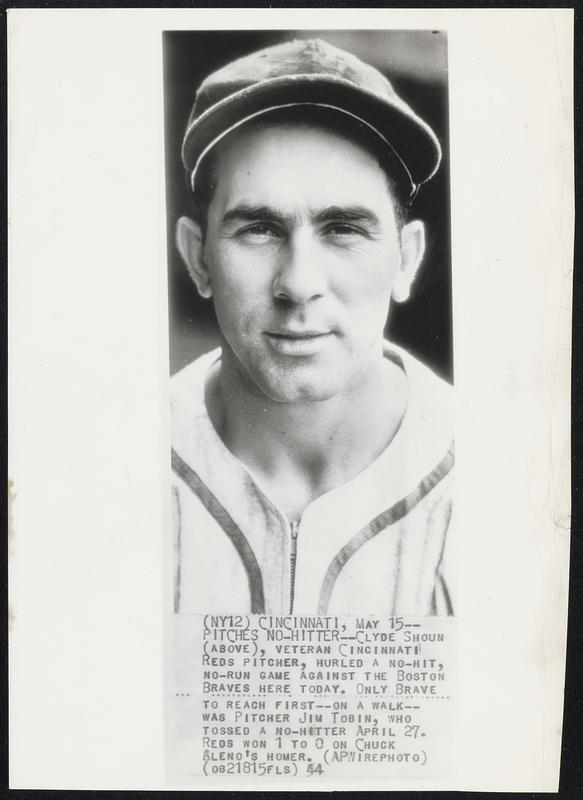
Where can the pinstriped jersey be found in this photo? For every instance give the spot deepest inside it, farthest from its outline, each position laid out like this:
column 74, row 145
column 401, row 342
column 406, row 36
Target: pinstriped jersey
column 379, row 544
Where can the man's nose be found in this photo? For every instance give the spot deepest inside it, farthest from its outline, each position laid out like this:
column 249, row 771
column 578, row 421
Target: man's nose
column 300, row 276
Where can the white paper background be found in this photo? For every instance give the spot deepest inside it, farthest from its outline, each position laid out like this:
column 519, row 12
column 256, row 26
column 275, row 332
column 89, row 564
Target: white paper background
column 88, row 383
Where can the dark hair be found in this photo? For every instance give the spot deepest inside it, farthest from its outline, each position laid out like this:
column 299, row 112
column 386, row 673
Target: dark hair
column 204, row 188
column 397, row 180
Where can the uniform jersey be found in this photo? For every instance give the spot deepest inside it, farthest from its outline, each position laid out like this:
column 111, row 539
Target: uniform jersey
column 378, row 544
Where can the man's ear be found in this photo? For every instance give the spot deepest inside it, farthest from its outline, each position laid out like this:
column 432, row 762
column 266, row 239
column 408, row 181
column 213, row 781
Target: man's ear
column 412, row 250
column 190, row 246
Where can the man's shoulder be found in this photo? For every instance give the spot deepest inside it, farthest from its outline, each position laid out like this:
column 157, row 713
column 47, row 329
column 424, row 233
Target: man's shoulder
column 429, row 420
column 188, row 384
column 189, row 418
column 428, row 389
column 422, row 379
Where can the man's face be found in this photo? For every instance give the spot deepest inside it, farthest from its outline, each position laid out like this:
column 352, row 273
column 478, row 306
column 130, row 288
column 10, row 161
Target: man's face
column 301, row 250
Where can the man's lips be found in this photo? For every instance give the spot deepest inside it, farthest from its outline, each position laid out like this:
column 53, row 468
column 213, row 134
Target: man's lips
column 297, row 334
column 298, row 342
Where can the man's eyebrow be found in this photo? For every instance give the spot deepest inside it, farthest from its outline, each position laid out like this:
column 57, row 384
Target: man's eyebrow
column 346, row 214
column 245, row 212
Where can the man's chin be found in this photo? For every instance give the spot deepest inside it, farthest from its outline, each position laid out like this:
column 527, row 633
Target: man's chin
column 292, row 380
column 289, row 391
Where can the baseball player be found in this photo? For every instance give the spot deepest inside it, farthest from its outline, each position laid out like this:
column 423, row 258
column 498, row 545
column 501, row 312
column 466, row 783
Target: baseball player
column 312, row 459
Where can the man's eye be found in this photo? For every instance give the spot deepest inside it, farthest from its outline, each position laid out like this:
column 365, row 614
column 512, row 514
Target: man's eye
column 259, row 232
column 343, row 231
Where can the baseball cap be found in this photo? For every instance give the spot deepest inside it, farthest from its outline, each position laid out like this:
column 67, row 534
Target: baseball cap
column 309, row 72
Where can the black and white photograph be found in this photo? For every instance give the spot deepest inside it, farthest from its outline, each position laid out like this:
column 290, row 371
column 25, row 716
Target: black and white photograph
column 310, row 290
column 290, row 297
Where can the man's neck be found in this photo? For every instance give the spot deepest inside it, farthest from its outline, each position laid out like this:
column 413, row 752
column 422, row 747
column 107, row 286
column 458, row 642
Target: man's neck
column 300, row 450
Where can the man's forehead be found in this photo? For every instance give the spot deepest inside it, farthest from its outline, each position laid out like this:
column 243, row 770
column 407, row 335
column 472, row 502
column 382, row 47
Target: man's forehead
column 315, row 132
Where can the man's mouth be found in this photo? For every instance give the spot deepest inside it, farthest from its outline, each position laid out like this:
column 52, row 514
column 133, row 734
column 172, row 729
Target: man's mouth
column 298, row 342
column 291, row 334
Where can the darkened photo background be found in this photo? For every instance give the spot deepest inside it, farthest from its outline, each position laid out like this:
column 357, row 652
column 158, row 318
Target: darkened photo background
column 416, row 64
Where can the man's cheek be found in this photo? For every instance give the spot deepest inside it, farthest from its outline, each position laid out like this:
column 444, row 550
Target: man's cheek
column 236, row 322
column 239, row 284
column 230, row 300
column 369, row 301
